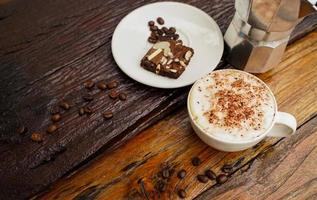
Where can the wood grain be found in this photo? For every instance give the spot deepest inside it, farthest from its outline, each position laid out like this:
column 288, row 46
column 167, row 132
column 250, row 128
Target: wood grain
column 47, row 49
column 133, row 170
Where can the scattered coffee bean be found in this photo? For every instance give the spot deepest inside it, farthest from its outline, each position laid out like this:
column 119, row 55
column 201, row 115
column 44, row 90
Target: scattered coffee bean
column 112, row 84
column 102, row 86
column 89, row 84
column 22, row 130
column 175, row 36
column 51, row 128
column 181, row 193
column 165, row 30
column 165, row 173
column 172, row 30
column 159, row 32
column 222, row 178
column 65, row 105
column 152, row 40
column 54, row 110
column 160, row 20
column 202, row 178
column 181, row 174
column 88, row 97
column 153, row 28
column 196, row 161
column 180, row 41
column 108, row 115
column 151, row 23
column 88, row 110
column 113, row 94
column 227, row 168
column 122, row 96
column 56, row 117
column 81, row 111
column 37, row 137
column 210, row 174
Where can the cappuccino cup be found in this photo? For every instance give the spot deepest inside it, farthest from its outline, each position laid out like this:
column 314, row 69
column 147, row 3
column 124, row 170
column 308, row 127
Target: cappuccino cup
column 232, row 110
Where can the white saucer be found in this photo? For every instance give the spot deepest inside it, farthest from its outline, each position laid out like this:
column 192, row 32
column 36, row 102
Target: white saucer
column 195, row 27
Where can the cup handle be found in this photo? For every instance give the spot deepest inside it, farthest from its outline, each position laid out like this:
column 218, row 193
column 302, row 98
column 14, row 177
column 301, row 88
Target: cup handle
column 284, row 126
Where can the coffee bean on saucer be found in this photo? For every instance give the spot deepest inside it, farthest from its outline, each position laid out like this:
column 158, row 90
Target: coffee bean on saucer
column 107, row 115
column 51, row 128
column 171, row 30
column 112, row 84
column 153, row 28
column 160, row 20
column 227, row 168
column 181, row 174
column 37, row 137
column 222, row 178
column 151, row 23
column 88, row 110
column 89, row 84
column 88, row 97
column 113, row 94
column 102, row 86
column 181, row 193
column 81, row 111
column 122, row 96
column 56, row 117
column 196, row 161
column 152, row 40
column 165, row 173
column 22, row 130
column 165, row 29
column 65, row 105
column 210, row 174
column 202, row 178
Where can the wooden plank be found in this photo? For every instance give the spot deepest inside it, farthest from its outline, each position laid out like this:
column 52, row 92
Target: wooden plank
column 171, row 143
column 47, row 49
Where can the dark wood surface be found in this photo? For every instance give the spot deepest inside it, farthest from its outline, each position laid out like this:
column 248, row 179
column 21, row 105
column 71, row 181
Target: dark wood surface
column 47, row 50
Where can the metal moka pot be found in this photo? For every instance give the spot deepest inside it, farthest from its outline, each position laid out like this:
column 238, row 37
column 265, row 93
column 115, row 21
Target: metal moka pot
column 260, row 29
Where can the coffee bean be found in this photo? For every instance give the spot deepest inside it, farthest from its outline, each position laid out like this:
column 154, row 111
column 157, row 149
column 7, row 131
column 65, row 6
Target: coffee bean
column 107, row 115
column 89, row 84
column 81, row 111
column 181, row 174
column 181, row 193
column 202, row 178
column 51, row 128
column 37, row 137
column 153, row 28
column 151, row 23
column 210, row 174
column 196, row 161
column 102, row 86
column 160, row 32
column 227, row 168
column 222, row 178
column 65, row 105
column 179, row 41
column 56, row 117
column 165, row 173
column 22, row 130
column 160, row 20
column 171, row 30
column 122, row 96
column 165, row 29
column 88, row 97
column 88, row 110
column 112, row 84
column 175, row 36
column 113, row 94
column 152, row 40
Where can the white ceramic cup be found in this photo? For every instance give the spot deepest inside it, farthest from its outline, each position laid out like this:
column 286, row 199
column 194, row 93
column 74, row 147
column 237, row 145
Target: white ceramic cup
column 284, row 124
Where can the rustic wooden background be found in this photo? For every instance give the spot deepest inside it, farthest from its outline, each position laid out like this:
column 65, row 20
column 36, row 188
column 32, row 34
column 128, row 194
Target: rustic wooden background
column 47, row 49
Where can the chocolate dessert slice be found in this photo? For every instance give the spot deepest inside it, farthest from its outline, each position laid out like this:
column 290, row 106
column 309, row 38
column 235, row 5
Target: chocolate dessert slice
column 167, row 58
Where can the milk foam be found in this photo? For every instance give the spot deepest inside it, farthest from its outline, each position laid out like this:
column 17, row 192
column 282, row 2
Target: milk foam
column 232, row 105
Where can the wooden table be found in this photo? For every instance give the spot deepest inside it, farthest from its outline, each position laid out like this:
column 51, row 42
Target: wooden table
column 49, row 48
